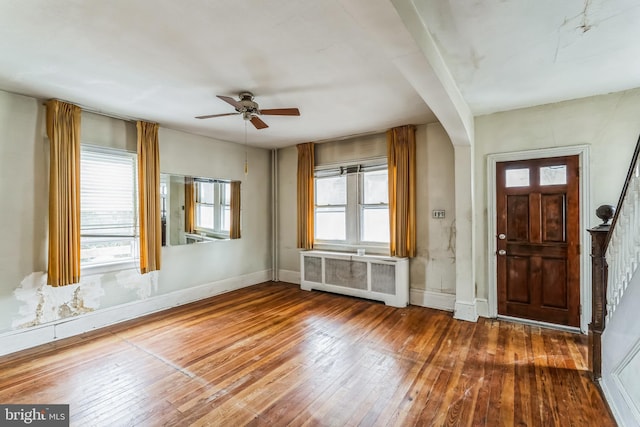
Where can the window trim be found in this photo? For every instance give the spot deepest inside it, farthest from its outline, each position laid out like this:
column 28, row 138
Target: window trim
column 218, row 206
column 124, row 264
column 352, row 171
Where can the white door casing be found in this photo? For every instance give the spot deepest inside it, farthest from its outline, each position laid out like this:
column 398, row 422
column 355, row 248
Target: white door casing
column 582, row 151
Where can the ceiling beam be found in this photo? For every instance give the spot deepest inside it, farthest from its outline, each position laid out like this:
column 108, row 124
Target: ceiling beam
column 427, row 72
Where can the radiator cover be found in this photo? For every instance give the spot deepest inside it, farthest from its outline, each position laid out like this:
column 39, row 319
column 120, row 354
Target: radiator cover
column 379, row 278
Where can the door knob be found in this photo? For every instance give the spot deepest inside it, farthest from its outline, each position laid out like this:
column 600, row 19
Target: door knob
column 501, row 236
column 502, row 252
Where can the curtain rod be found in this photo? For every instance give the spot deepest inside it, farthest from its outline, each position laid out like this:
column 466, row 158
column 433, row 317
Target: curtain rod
column 365, row 134
column 100, row 113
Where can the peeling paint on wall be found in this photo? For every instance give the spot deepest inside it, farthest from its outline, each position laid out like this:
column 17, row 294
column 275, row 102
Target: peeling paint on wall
column 41, row 303
column 451, row 246
column 143, row 284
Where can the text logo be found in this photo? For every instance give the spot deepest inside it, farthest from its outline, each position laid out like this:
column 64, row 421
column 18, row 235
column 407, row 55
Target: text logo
column 34, row 415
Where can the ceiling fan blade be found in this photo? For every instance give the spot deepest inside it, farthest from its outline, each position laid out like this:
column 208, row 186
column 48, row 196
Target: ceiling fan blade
column 230, row 100
column 259, row 124
column 280, row 112
column 216, row 115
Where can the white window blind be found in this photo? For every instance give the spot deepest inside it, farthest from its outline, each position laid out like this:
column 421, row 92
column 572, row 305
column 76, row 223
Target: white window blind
column 108, row 206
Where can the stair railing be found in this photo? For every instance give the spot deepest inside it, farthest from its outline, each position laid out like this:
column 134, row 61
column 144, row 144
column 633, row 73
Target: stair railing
column 622, row 246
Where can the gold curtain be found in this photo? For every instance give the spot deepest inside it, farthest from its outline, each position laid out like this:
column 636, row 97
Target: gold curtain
column 401, row 152
column 234, row 232
column 306, row 163
column 149, row 196
column 189, row 205
column 63, row 129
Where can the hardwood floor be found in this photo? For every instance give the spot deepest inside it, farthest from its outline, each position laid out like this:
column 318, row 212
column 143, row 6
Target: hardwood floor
column 274, row 355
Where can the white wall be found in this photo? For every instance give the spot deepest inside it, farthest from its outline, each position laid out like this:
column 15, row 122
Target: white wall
column 433, row 268
column 609, row 124
column 288, row 259
column 190, row 265
column 23, row 188
column 621, row 358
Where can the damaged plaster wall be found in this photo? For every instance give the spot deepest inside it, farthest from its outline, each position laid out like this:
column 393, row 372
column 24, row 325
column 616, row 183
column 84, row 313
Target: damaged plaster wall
column 40, row 304
column 26, row 300
column 433, row 269
column 23, row 189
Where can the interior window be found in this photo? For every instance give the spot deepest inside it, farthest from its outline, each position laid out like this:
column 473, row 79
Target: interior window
column 352, row 205
column 375, row 206
column 517, row 177
column 331, row 208
column 225, row 206
column 108, row 206
column 212, row 207
column 553, row 175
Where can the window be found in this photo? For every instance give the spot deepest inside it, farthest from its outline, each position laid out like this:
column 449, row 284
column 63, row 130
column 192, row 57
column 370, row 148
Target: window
column 331, row 208
column 352, row 206
column 108, row 206
column 212, row 207
column 553, row 175
column 517, row 177
column 375, row 206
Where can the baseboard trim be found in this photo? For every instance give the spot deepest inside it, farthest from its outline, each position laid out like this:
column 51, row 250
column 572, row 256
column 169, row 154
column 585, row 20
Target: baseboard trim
column 289, row 276
column 482, row 305
column 611, row 402
column 22, row 339
column 466, row 311
column 431, row 299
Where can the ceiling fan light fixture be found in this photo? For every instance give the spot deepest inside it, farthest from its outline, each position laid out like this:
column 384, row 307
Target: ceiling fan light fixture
column 250, row 110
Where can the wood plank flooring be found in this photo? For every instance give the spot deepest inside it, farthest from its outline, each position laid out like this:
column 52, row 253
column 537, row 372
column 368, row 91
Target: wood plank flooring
column 273, row 355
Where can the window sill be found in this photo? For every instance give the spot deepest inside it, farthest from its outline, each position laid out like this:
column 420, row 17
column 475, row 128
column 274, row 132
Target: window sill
column 346, row 248
column 351, row 255
column 108, row 268
column 199, row 238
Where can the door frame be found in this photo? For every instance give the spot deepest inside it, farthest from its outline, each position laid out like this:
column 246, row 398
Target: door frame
column 584, row 187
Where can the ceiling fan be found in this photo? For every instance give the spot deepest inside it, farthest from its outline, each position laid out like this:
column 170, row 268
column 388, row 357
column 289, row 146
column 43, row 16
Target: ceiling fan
column 250, row 110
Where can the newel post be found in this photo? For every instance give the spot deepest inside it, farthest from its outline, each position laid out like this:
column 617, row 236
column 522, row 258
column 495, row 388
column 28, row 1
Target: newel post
column 598, row 289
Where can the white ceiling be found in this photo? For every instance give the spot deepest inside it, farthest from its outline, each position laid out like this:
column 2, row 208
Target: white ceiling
column 511, row 54
column 164, row 61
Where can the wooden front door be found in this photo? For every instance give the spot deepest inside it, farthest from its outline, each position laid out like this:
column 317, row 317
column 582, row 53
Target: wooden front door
column 538, row 240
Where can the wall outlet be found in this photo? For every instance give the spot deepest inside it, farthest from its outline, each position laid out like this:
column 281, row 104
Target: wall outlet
column 438, row 213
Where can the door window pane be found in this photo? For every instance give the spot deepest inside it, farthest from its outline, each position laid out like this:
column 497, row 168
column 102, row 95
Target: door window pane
column 517, row 177
column 330, row 223
column 553, row 175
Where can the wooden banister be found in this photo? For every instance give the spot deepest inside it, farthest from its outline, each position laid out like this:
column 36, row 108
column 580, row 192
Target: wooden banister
column 598, row 297
column 601, row 237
